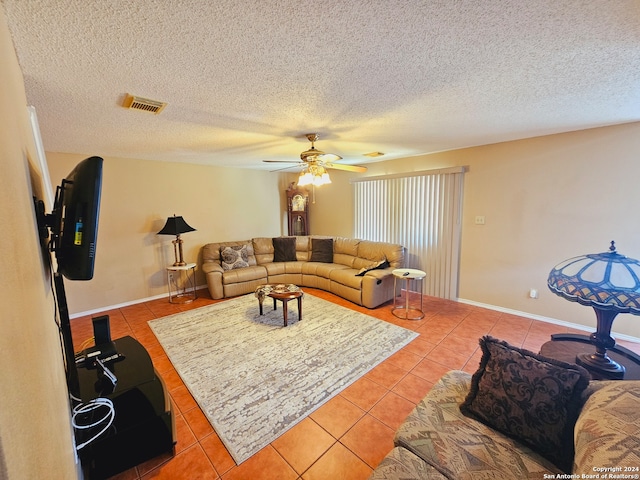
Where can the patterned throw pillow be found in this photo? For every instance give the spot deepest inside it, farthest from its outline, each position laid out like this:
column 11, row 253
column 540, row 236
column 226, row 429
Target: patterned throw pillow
column 530, row 398
column 236, row 256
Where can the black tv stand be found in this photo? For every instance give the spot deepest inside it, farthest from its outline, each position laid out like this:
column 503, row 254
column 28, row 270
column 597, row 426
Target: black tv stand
column 144, row 423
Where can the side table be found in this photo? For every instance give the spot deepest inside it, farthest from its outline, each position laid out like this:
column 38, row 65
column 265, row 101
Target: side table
column 184, row 285
column 405, row 311
column 566, row 346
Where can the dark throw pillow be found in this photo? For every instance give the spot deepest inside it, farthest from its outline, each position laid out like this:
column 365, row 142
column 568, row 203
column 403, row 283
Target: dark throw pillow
column 322, row 250
column 284, row 249
column 530, row 398
column 233, row 257
column 374, row 266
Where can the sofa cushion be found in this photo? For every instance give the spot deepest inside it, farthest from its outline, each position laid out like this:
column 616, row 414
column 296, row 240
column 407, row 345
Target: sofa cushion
column 248, row 274
column 322, row 250
column 322, row 270
column 400, row 463
column 303, row 248
column 461, row 447
column 608, row 429
column 346, row 276
column 345, row 251
column 370, row 251
column 528, row 397
column 263, row 248
column 281, row 268
column 234, row 256
column 284, row 249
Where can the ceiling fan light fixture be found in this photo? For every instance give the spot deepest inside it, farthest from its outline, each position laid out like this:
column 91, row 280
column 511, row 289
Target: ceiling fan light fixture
column 310, row 154
column 305, row 179
column 316, row 175
column 324, row 178
column 312, row 159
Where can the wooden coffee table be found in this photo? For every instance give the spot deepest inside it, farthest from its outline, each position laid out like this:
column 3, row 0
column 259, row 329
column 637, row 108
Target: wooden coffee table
column 283, row 293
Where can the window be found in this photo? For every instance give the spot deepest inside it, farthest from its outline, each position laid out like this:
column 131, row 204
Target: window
column 421, row 211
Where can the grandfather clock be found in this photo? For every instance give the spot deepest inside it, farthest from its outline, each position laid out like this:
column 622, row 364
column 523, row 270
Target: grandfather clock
column 297, row 210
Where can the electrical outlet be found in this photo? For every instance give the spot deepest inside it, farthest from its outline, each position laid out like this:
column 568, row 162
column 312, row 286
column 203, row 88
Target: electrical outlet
column 479, row 219
column 533, row 293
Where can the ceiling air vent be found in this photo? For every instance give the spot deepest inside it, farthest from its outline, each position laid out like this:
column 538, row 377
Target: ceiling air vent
column 144, row 104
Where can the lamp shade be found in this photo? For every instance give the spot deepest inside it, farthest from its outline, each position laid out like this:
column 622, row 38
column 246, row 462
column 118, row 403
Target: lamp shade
column 175, row 226
column 607, row 281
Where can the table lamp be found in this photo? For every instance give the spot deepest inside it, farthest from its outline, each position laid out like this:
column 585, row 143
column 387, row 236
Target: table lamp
column 176, row 226
column 608, row 282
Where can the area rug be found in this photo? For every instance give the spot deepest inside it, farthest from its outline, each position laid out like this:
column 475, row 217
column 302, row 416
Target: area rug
column 254, row 378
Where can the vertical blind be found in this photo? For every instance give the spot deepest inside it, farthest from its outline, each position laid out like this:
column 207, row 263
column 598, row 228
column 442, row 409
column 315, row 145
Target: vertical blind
column 421, row 211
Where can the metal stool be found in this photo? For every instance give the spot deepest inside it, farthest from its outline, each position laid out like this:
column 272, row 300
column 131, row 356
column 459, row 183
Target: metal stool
column 404, row 311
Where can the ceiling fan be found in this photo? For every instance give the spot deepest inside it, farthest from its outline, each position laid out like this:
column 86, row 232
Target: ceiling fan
column 313, row 159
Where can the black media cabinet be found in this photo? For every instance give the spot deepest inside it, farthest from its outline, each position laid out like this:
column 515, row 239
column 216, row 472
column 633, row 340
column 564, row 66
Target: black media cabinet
column 144, row 423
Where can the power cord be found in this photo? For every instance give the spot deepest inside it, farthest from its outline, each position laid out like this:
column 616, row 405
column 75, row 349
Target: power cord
column 85, row 344
column 83, row 417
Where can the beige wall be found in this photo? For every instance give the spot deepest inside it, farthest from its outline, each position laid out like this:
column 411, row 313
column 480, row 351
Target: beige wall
column 35, row 428
column 545, row 199
column 332, row 212
column 138, row 196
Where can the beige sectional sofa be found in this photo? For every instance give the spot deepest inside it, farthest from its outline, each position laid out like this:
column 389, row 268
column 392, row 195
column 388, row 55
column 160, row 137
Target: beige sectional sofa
column 438, row 442
column 357, row 270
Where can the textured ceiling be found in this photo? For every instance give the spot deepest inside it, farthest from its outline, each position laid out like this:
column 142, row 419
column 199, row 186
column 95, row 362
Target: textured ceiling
column 245, row 80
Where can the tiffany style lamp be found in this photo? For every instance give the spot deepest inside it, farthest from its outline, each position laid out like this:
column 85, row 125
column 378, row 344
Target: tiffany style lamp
column 608, row 282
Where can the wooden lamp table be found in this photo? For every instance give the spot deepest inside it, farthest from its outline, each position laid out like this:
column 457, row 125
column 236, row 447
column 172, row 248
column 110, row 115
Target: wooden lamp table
column 567, row 346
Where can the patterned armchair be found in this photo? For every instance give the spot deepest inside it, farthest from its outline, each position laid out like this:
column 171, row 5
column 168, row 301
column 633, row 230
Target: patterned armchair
column 438, row 442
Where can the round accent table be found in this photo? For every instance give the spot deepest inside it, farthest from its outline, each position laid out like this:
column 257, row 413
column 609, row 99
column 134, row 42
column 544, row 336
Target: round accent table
column 184, row 285
column 408, row 311
column 566, row 346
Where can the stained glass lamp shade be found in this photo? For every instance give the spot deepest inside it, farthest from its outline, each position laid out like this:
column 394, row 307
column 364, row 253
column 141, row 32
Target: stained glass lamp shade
column 608, row 282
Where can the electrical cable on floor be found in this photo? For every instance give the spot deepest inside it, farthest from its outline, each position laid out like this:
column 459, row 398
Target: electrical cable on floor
column 85, row 412
column 85, row 344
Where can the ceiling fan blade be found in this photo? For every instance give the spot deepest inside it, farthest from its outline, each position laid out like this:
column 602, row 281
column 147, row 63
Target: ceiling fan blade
column 284, row 161
column 290, row 168
column 328, row 157
column 348, row 168
column 314, row 158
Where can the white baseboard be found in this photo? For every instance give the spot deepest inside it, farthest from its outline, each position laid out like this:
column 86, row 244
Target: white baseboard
column 532, row 316
column 125, row 304
column 541, row 318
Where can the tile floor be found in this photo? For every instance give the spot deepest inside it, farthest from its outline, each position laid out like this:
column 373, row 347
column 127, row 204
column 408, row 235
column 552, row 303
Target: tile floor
column 347, row 437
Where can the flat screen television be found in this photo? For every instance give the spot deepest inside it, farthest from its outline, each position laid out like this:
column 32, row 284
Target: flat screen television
column 73, row 224
column 74, row 220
